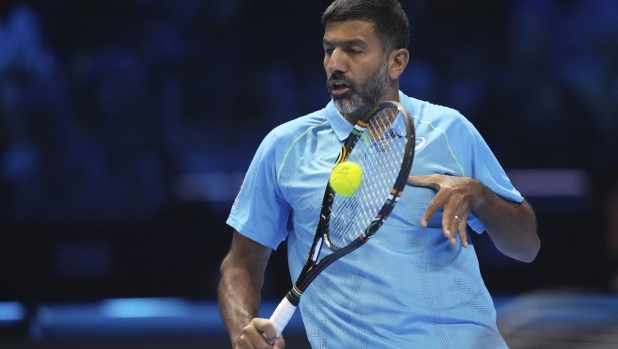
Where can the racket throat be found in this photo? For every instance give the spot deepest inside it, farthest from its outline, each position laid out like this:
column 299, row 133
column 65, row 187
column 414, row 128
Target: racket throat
column 293, row 296
column 316, row 250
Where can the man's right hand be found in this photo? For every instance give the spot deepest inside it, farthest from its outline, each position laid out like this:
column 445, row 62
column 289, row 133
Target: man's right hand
column 259, row 334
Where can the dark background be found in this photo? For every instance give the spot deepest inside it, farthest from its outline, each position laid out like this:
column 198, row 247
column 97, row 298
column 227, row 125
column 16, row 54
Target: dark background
column 126, row 127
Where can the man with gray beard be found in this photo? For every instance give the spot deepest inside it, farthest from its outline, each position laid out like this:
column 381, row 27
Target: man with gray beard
column 417, row 283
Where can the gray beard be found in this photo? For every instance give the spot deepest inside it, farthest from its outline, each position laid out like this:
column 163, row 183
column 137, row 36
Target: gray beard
column 365, row 96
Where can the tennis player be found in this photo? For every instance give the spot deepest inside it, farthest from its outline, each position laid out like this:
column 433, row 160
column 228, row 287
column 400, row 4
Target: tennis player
column 417, row 283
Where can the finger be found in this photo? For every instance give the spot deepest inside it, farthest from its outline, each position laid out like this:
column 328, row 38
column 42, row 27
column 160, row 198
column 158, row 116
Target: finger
column 462, row 229
column 279, row 343
column 431, row 209
column 458, row 226
column 439, row 201
column 449, row 226
column 266, row 328
column 251, row 339
column 425, row 181
column 447, row 223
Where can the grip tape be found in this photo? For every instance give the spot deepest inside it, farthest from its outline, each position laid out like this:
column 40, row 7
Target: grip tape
column 282, row 315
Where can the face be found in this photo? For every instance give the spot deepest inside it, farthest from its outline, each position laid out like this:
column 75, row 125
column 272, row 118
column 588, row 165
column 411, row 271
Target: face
column 356, row 66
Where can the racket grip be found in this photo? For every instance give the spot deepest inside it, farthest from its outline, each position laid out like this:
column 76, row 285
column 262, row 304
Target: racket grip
column 282, row 315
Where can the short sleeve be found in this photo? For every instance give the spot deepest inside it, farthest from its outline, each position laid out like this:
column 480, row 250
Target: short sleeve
column 259, row 211
column 483, row 165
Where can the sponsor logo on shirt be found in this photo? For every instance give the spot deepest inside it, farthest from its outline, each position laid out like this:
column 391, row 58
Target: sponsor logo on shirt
column 420, row 143
column 239, row 190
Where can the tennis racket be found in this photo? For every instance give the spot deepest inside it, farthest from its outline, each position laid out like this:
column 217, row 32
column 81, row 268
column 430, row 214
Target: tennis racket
column 382, row 144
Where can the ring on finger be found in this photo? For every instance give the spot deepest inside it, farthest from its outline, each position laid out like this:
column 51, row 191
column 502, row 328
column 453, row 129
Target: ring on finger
column 457, row 218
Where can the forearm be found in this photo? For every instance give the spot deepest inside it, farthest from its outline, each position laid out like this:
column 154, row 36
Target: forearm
column 511, row 225
column 239, row 299
column 242, row 276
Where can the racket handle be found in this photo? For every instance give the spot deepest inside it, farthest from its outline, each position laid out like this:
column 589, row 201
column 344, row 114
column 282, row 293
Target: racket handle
column 282, row 315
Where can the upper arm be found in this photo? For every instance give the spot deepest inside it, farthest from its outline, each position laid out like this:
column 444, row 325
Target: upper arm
column 247, row 254
column 260, row 211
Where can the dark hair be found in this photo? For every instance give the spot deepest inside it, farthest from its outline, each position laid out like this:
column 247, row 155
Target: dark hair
column 391, row 22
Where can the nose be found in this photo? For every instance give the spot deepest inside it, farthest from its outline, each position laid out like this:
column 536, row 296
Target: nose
column 335, row 62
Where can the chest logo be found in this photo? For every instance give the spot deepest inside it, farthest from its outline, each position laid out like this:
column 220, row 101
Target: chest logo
column 420, row 143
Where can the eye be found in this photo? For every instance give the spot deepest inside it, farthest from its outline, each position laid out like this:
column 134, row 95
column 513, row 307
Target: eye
column 328, row 50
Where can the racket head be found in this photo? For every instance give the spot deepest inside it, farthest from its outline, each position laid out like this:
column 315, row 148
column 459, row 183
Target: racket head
column 382, row 144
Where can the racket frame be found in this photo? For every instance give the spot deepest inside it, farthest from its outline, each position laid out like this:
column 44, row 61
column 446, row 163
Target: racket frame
column 313, row 267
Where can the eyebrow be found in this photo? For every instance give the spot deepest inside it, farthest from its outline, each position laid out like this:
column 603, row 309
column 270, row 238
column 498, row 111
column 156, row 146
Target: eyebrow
column 350, row 42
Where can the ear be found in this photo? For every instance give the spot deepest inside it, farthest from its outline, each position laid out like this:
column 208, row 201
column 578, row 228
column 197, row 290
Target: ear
column 398, row 60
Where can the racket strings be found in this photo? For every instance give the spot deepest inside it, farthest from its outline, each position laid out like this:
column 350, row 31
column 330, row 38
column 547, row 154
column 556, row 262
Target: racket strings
column 380, row 157
column 380, row 124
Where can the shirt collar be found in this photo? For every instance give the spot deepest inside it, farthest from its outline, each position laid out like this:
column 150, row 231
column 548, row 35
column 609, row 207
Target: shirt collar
column 340, row 125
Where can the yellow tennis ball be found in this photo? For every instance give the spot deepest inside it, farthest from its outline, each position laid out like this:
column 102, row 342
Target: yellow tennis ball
column 346, row 178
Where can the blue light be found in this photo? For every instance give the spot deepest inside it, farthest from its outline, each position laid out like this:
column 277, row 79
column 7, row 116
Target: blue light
column 144, row 308
column 12, row 311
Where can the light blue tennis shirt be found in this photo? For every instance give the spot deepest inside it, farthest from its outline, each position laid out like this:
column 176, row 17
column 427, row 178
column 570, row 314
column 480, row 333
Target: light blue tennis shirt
column 407, row 287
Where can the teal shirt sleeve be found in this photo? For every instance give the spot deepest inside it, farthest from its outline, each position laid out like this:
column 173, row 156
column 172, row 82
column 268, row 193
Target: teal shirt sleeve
column 479, row 162
column 259, row 211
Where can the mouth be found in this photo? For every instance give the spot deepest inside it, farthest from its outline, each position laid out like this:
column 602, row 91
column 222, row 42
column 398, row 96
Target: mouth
column 338, row 88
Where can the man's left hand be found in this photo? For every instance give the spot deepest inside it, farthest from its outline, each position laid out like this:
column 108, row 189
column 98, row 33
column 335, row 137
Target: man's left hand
column 458, row 195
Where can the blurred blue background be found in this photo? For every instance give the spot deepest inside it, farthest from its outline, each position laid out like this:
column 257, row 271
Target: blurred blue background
column 126, row 127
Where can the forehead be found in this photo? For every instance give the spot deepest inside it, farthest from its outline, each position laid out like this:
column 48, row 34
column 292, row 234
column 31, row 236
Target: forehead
column 352, row 30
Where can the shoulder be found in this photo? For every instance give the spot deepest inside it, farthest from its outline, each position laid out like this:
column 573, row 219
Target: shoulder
column 277, row 143
column 438, row 116
column 288, row 132
column 444, row 133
